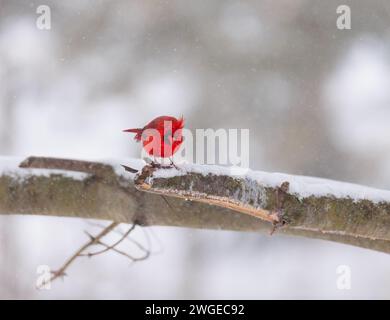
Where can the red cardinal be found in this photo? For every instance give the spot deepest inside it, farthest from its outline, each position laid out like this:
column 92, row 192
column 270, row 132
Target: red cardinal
column 161, row 137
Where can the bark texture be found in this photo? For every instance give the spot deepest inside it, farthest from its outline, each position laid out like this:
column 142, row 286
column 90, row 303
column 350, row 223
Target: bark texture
column 195, row 201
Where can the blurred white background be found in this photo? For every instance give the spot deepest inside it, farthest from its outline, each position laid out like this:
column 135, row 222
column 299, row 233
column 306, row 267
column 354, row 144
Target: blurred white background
column 316, row 100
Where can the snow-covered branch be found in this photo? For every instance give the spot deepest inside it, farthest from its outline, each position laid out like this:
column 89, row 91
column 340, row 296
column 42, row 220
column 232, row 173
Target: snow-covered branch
column 197, row 196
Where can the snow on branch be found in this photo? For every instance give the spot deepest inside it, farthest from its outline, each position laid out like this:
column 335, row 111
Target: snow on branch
column 197, row 196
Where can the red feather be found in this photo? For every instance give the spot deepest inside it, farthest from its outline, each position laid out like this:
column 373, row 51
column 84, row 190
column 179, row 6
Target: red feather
column 161, row 137
column 137, row 131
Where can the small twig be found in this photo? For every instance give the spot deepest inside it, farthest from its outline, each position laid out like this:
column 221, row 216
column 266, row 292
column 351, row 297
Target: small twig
column 136, row 243
column 133, row 259
column 124, row 236
column 140, row 246
column 97, row 240
column 93, row 240
column 129, row 169
column 133, row 241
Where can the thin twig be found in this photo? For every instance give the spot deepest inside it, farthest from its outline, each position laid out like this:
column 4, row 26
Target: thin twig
column 93, row 240
column 133, row 241
column 133, row 259
column 124, row 236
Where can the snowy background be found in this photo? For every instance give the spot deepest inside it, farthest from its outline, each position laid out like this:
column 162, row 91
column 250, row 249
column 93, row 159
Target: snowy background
column 316, row 100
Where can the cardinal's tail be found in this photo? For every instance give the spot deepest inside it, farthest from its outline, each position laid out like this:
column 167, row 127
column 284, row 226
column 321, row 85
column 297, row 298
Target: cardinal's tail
column 138, row 133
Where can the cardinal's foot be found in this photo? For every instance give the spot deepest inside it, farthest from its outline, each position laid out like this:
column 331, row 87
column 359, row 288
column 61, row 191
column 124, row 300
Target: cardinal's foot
column 154, row 164
column 163, row 166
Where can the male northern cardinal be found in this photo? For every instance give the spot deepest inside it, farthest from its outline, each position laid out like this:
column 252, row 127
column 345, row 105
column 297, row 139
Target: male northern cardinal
column 161, row 137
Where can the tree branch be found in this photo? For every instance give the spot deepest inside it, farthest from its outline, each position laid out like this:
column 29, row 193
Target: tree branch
column 202, row 196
